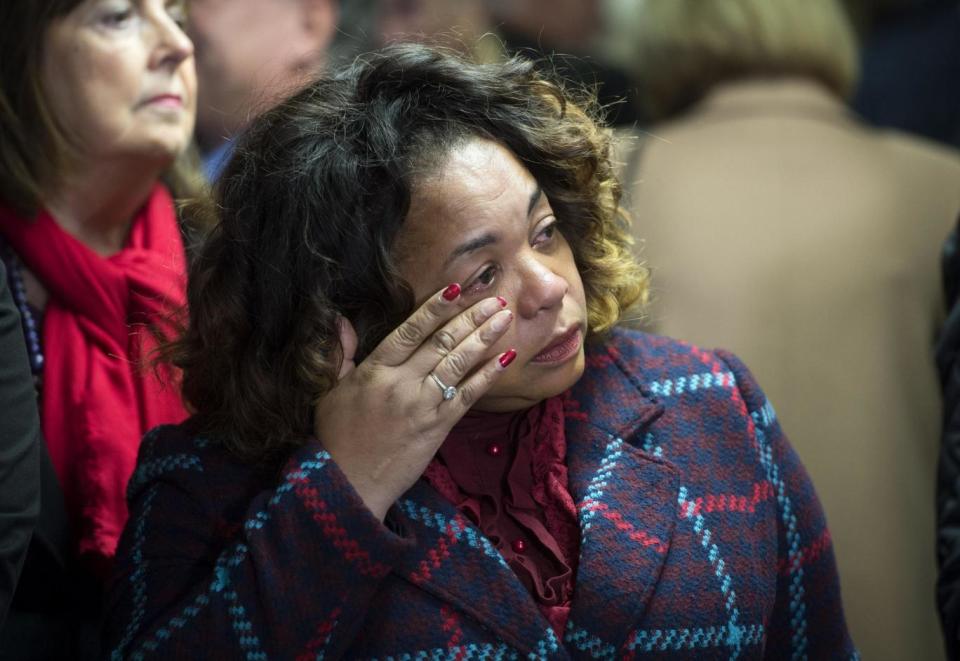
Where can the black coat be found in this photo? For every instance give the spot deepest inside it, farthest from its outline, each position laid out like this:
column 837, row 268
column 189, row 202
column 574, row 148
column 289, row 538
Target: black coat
column 49, row 607
column 19, row 449
column 948, row 478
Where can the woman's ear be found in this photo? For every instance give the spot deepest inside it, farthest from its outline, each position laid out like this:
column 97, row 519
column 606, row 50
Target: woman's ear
column 319, row 21
column 348, row 346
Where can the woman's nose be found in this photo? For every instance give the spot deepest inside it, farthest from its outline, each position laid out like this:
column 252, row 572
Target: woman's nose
column 541, row 288
column 173, row 45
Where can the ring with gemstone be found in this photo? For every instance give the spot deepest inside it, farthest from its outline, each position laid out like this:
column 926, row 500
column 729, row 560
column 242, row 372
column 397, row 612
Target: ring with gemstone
column 449, row 392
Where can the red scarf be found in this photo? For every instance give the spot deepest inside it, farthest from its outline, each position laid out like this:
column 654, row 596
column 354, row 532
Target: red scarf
column 98, row 400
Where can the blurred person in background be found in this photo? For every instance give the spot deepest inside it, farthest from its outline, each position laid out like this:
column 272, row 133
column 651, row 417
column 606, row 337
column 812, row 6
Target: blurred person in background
column 777, row 224
column 356, row 31
column 250, row 54
column 568, row 32
column 97, row 104
column 464, row 25
column 559, row 36
column 910, row 66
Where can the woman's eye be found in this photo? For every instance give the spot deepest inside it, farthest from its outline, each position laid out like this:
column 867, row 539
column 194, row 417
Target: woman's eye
column 487, row 276
column 117, row 19
column 484, row 280
column 546, row 235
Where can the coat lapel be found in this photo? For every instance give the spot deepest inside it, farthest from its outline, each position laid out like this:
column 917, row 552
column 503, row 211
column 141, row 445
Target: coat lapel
column 457, row 563
column 626, row 501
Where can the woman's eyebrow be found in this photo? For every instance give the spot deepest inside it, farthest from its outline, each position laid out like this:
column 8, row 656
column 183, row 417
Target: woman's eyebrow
column 472, row 245
column 534, row 198
column 485, row 240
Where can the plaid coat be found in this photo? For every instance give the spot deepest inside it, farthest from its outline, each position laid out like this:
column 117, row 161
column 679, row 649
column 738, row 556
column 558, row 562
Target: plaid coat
column 702, row 537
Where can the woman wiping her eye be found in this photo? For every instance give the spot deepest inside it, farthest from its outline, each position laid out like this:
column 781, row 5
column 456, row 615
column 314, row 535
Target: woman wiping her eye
column 420, row 431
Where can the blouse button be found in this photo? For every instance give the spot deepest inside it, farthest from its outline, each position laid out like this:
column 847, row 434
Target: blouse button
column 518, row 546
column 494, row 450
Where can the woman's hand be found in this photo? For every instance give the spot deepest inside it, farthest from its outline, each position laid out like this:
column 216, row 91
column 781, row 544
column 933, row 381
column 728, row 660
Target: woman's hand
column 387, row 416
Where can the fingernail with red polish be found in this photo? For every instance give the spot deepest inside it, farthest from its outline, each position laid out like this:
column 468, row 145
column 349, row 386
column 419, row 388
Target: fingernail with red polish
column 451, row 292
column 503, row 301
column 506, row 358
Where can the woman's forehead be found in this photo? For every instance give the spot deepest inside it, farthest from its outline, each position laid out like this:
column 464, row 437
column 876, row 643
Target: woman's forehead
column 479, row 190
column 476, row 179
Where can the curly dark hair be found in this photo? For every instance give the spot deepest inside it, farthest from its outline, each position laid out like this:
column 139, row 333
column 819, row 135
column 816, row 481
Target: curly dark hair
column 312, row 201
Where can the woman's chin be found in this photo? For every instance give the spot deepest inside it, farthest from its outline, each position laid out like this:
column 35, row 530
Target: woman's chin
column 162, row 145
column 532, row 384
column 158, row 156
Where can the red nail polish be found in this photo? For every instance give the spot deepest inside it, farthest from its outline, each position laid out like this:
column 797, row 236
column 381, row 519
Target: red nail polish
column 451, row 292
column 503, row 301
column 506, row 358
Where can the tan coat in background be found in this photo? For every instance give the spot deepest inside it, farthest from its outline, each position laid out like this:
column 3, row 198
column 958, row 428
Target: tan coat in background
column 779, row 227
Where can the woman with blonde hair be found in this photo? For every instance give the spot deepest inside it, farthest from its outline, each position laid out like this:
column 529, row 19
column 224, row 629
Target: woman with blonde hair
column 779, row 225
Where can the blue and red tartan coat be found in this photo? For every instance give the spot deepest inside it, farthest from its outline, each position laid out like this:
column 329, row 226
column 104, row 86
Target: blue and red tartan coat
column 702, row 537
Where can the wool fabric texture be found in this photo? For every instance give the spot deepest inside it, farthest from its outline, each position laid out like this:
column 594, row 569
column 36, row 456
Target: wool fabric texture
column 99, row 326
column 701, row 537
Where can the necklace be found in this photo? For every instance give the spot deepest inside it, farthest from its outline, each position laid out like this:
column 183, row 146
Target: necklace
column 27, row 318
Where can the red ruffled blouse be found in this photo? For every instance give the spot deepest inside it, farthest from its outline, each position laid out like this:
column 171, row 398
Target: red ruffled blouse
column 506, row 472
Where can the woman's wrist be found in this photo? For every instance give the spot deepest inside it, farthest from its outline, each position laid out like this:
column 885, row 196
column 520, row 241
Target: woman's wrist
column 376, row 494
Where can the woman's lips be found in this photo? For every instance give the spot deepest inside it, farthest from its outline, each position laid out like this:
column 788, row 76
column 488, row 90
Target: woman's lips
column 165, row 101
column 562, row 349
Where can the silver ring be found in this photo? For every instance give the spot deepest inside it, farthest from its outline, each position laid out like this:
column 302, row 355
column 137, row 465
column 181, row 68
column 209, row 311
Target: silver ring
column 449, row 392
